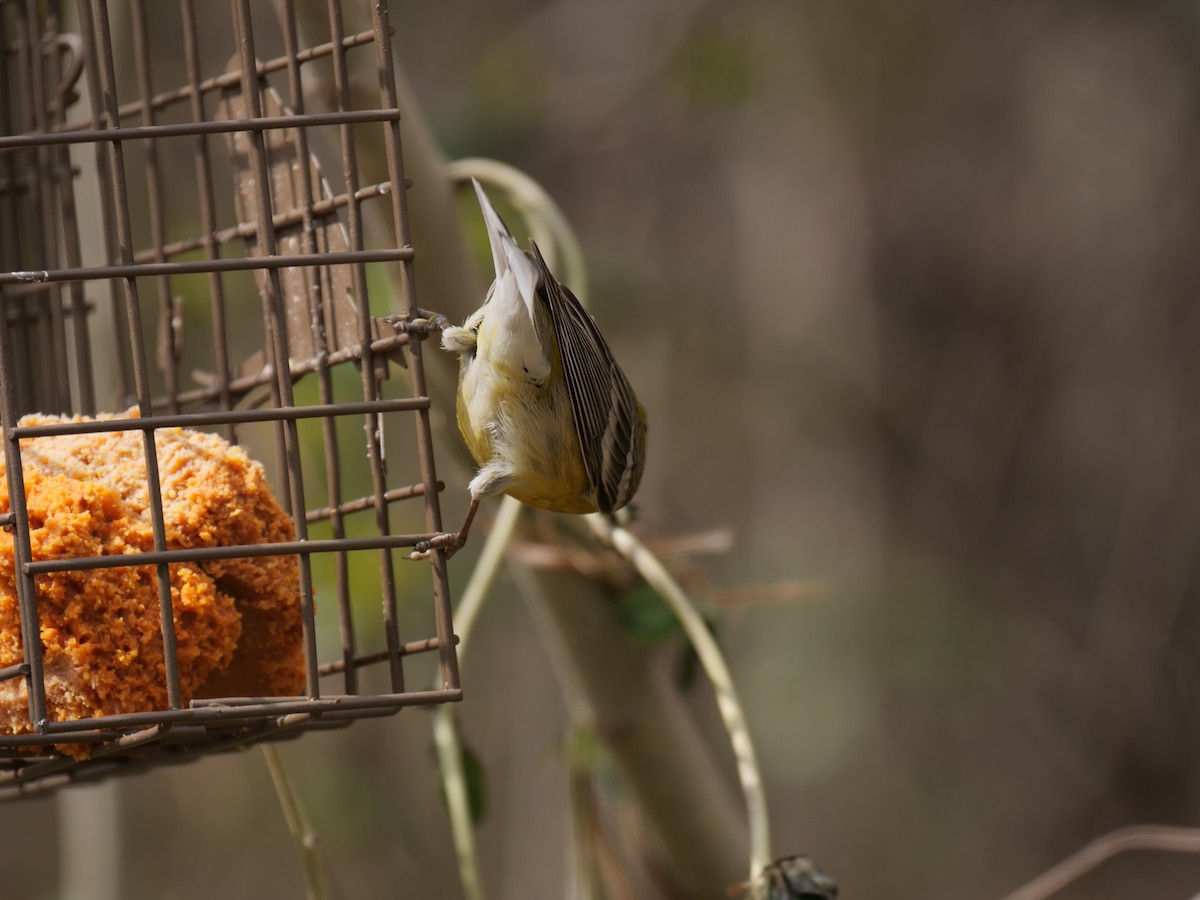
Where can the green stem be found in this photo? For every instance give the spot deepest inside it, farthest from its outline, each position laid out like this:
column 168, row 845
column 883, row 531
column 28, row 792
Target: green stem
column 458, row 805
column 297, row 822
column 445, row 734
column 485, row 570
column 710, row 656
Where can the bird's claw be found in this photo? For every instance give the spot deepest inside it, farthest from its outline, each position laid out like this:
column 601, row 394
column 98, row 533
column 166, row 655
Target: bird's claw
column 427, row 323
column 450, row 542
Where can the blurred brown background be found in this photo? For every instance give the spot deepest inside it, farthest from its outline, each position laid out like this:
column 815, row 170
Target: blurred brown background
column 908, row 291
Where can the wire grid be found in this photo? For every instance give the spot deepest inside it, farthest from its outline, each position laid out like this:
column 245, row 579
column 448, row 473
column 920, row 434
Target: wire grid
column 73, row 334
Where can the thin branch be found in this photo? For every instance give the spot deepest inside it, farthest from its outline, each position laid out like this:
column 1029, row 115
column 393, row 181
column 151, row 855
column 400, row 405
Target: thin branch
column 297, row 822
column 445, row 734
column 1165, row 838
column 545, row 555
column 711, row 658
column 485, row 570
column 584, row 869
column 458, row 805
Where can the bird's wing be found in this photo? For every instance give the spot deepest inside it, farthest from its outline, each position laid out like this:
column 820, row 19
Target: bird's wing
column 607, row 420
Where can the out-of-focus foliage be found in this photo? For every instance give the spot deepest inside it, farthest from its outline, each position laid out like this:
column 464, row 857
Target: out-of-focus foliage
column 908, row 291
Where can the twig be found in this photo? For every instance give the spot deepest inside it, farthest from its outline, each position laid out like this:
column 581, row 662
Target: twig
column 297, row 822
column 561, row 556
column 1165, row 838
column 458, row 805
column 581, row 793
column 445, row 735
column 711, row 658
column 485, row 570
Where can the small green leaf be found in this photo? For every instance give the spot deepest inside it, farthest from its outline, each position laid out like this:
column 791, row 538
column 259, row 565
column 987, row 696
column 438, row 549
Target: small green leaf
column 476, row 778
column 648, row 619
column 646, row 615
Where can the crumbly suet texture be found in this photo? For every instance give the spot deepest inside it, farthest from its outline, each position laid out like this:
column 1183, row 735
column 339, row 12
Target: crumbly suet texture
column 237, row 622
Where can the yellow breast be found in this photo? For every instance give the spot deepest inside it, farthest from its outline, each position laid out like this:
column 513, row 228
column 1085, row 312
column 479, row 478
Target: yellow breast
column 530, row 426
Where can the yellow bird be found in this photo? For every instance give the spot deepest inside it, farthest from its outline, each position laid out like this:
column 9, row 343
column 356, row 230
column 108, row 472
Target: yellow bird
column 544, row 408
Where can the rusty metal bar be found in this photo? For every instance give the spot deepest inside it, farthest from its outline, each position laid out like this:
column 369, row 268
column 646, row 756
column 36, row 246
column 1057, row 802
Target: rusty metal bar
column 277, row 327
column 260, row 123
column 208, row 221
column 31, row 632
column 300, row 367
column 18, row 171
column 13, row 184
column 221, row 417
column 17, row 174
column 333, row 468
column 77, row 307
column 408, row 649
column 362, row 503
column 47, row 769
column 40, row 740
column 130, row 270
column 234, row 551
column 168, row 351
column 120, row 332
column 204, row 711
column 372, row 424
column 141, row 374
column 195, row 90
column 245, row 230
column 48, row 388
column 10, row 410
column 433, row 514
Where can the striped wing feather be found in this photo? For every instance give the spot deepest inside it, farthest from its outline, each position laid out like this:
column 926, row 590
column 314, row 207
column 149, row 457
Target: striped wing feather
column 603, row 403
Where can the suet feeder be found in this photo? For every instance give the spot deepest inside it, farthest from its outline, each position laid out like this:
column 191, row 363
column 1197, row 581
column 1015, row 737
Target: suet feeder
column 198, row 213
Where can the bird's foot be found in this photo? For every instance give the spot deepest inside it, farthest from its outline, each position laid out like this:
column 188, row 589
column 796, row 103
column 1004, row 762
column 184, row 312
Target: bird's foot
column 451, row 542
column 425, row 324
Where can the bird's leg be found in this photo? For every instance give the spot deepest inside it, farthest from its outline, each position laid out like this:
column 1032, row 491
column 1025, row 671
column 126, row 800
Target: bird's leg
column 450, row 541
column 460, row 539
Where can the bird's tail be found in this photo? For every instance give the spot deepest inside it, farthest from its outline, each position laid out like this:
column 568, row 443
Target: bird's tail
column 506, row 255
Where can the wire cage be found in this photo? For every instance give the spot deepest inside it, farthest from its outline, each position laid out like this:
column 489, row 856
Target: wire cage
column 186, row 267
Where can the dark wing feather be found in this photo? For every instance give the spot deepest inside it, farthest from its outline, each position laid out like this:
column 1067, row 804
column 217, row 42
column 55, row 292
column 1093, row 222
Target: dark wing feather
column 607, row 421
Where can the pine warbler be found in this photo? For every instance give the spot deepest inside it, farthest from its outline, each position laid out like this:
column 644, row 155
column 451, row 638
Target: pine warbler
column 544, row 408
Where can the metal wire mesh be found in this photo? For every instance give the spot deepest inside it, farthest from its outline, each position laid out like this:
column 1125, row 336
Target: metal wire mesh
column 182, row 252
